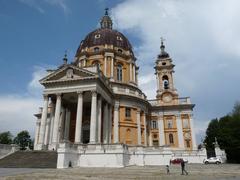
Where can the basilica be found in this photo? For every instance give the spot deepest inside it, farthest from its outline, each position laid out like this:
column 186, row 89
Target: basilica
column 95, row 115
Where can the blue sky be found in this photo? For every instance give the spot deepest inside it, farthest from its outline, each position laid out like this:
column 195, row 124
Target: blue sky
column 202, row 38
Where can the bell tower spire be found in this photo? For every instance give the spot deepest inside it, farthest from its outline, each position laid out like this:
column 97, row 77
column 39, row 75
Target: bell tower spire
column 164, row 70
column 106, row 21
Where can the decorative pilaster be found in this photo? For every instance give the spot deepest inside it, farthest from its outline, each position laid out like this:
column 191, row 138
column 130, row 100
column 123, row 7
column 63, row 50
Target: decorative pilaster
column 134, row 74
column 56, row 121
column 139, row 127
column 180, row 131
column 78, row 130
column 150, row 134
column 130, row 71
column 112, row 67
column 43, row 122
column 145, row 129
column 105, row 124
column 116, row 123
column 99, row 119
column 194, row 144
column 105, row 65
column 161, row 130
column 93, row 118
column 110, row 125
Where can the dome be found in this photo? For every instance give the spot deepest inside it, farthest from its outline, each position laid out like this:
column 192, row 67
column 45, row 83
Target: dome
column 105, row 35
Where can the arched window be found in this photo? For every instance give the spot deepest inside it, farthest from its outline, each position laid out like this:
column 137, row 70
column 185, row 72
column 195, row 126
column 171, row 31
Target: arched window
column 120, row 51
column 171, row 139
column 119, row 72
column 165, row 82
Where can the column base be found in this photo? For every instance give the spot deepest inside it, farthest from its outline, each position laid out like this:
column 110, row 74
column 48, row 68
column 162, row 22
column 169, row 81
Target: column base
column 40, row 147
column 53, row 147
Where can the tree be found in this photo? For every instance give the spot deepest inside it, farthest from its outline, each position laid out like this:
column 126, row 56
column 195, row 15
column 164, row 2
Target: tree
column 6, row 138
column 226, row 130
column 211, row 132
column 23, row 139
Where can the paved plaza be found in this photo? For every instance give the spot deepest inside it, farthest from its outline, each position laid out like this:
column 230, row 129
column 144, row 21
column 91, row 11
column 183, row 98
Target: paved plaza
column 196, row 171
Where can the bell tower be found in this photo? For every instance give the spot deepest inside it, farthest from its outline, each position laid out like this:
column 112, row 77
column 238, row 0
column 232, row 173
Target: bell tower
column 164, row 69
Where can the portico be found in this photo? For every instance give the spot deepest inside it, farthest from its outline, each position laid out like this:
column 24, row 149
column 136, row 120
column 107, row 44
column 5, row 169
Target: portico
column 80, row 114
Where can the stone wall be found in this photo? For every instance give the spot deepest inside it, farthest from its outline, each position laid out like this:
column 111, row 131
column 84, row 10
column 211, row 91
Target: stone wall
column 121, row 155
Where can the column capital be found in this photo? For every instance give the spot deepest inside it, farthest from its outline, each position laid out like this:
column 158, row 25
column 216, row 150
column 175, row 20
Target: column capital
column 94, row 93
column 160, row 117
column 138, row 110
column 178, row 115
column 58, row 95
column 116, row 105
column 80, row 92
column 45, row 96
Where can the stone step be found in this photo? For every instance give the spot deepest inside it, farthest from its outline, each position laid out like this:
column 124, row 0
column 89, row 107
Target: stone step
column 30, row 159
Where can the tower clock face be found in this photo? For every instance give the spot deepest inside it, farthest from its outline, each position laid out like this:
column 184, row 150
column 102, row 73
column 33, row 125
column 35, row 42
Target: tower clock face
column 167, row 97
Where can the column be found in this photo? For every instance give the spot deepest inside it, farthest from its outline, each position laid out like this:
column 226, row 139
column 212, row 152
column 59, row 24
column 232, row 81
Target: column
column 93, row 118
column 62, row 122
column 105, row 65
column 46, row 138
column 36, row 134
column 130, row 71
column 43, row 121
column 134, row 75
column 111, row 67
column 52, row 122
column 110, row 125
column 78, row 129
column 56, row 120
column 67, row 124
column 139, row 127
column 180, row 131
column 194, row 144
column 161, row 130
column 99, row 119
column 116, row 123
column 105, row 123
column 145, row 129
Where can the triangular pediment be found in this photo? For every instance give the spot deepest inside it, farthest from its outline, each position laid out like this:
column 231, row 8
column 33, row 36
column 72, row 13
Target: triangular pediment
column 67, row 72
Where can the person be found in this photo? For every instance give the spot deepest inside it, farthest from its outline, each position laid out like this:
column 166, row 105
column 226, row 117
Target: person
column 183, row 167
column 167, row 168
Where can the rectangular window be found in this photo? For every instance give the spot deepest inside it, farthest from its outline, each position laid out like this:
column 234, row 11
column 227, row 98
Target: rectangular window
column 170, row 124
column 127, row 112
column 154, row 124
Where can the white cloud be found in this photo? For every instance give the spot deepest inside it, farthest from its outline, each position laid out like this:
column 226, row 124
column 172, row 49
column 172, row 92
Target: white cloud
column 34, row 87
column 17, row 111
column 202, row 39
column 38, row 5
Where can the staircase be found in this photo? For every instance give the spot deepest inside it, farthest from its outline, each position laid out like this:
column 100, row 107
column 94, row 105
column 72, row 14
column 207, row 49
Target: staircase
column 30, row 159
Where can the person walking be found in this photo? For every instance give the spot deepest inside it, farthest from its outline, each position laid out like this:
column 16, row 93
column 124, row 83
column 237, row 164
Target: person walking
column 183, row 167
column 167, row 168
